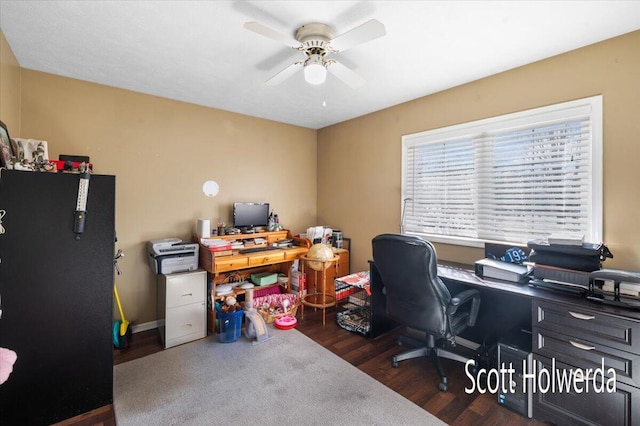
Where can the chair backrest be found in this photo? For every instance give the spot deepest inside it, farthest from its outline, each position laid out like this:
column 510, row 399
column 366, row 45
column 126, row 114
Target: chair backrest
column 408, row 267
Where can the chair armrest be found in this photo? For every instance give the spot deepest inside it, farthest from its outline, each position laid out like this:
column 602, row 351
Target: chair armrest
column 462, row 298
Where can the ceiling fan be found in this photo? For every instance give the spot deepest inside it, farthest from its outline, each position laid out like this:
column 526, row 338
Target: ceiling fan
column 317, row 41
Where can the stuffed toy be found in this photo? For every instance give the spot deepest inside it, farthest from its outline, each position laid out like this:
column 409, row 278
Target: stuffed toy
column 7, row 359
column 7, row 356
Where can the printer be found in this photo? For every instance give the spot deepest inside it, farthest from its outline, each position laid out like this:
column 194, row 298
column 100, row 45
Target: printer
column 171, row 255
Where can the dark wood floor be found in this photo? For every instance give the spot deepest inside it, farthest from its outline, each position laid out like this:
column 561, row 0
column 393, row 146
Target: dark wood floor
column 415, row 379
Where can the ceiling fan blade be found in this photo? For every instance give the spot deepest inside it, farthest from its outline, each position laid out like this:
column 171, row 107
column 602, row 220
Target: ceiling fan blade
column 285, row 73
column 272, row 34
column 345, row 74
column 368, row 31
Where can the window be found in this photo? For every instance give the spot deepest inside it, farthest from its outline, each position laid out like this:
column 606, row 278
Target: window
column 508, row 179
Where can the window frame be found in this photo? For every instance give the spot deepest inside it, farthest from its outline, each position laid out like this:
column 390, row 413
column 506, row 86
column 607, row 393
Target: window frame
column 534, row 116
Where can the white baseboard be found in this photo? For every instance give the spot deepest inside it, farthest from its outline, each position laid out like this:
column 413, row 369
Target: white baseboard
column 137, row 328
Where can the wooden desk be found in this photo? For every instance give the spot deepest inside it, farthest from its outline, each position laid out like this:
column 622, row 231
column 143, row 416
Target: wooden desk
column 237, row 262
column 238, row 266
column 219, row 266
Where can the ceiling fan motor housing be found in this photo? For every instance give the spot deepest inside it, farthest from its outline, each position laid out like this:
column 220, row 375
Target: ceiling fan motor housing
column 315, row 38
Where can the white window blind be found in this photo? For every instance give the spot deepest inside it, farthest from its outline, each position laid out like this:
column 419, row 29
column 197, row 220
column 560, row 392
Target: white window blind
column 508, row 179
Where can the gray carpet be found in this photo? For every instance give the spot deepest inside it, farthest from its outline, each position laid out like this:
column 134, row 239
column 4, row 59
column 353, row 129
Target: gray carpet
column 287, row 380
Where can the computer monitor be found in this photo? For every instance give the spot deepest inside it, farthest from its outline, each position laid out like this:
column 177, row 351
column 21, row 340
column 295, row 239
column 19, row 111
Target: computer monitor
column 250, row 215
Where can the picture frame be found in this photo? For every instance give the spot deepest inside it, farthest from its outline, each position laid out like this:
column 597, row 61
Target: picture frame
column 6, row 153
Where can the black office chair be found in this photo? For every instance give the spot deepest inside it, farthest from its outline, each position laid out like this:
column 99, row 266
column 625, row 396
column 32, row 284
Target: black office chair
column 417, row 298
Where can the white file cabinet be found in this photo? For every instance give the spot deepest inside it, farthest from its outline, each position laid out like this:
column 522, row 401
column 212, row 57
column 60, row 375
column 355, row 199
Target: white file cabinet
column 182, row 307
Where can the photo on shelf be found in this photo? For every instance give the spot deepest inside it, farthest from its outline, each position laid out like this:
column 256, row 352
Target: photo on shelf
column 31, row 150
column 5, row 146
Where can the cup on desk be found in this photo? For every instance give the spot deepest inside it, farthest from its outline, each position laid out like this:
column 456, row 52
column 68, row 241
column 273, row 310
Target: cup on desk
column 220, row 230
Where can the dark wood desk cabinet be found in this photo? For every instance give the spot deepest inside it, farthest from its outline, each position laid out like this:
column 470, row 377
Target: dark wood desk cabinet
column 569, row 334
column 579, row 337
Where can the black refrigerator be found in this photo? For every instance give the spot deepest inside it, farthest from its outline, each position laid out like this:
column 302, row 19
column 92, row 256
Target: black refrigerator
column 56, row 296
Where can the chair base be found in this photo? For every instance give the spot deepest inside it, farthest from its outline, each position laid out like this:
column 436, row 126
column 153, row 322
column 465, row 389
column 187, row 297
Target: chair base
column 425, row 350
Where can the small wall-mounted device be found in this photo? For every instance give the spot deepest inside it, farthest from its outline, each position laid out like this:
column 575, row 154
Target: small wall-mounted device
column 210, row 188
column 81, row 205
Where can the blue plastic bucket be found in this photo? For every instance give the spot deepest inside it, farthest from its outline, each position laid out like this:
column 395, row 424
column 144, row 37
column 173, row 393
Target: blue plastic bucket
column 230, row 326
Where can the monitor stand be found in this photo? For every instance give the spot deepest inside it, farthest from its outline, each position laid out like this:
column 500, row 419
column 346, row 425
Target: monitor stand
column 250, row 230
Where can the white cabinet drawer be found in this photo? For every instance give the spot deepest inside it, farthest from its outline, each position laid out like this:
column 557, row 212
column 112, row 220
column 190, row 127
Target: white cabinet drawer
column 187, row 321
column 182, row 312
column 186, row 288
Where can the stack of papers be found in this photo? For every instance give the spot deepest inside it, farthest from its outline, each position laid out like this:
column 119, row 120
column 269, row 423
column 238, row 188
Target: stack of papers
column 566, row 239
column 212, row 242
column 319, row 234
column 359, row 279
column 216, row 244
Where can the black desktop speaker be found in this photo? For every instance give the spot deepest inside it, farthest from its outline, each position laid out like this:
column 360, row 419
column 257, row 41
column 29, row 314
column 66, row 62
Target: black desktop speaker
column 514, row 350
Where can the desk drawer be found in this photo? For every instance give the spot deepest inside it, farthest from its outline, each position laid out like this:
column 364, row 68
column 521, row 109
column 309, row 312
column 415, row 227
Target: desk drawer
column 588, row 324
column 586, row 408
column 230, row 263
column 586, row 354
column 293, row 254
column 266, row 259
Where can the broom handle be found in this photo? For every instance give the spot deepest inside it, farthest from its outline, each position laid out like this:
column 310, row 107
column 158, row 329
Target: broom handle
column 115, row 291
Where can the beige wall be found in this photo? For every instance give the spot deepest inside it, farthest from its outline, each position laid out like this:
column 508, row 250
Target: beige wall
column 359, row 161
column 161, row 152
column 9, row 88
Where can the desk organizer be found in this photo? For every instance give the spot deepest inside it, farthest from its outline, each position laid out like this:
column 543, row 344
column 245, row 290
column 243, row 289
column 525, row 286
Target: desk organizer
column 615, row 287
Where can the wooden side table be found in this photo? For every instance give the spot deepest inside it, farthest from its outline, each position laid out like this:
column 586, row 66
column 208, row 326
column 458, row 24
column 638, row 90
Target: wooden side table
column 319, row 298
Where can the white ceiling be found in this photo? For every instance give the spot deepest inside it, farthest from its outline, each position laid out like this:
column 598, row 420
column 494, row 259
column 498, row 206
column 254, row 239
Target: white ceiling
column 199, row 51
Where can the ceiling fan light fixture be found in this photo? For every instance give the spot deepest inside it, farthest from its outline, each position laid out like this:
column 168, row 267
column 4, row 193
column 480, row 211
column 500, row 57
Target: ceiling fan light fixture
column 314, row 70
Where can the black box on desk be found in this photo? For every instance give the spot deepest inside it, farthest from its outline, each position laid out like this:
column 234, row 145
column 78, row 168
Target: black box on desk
column 514, row 350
